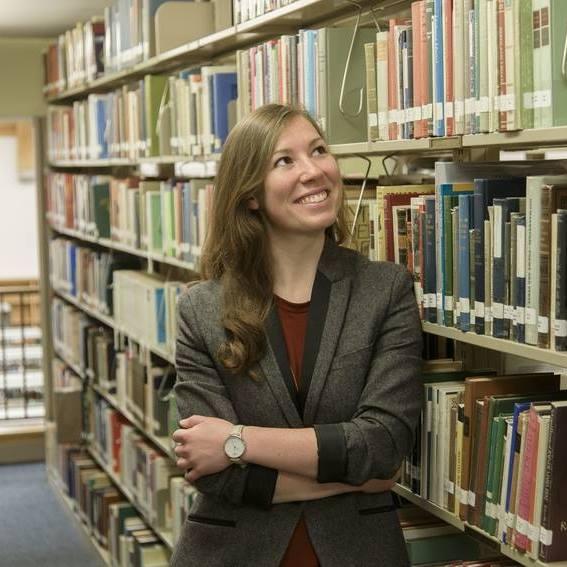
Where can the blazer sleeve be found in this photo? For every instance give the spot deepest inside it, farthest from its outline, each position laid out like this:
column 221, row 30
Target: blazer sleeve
column 200, row 390
column 380, row 434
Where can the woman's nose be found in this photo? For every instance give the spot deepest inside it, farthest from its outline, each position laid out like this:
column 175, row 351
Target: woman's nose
column 310, row 170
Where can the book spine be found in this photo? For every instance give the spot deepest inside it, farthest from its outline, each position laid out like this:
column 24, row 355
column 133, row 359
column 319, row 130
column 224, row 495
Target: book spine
column 560, row 325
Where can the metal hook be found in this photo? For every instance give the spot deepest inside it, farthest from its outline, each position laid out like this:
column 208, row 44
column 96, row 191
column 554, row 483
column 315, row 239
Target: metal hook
column 564, row 59
column 360, row 196
column 347, row 65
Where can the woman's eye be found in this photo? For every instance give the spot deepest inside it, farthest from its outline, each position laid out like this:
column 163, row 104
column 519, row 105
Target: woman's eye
column 286, row 160
column 320, row 150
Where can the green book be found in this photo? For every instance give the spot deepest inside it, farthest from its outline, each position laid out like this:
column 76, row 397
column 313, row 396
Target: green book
column 526, row 41
column 154, row 88
column 551, row 35
column 100, row 208
column 153, row 221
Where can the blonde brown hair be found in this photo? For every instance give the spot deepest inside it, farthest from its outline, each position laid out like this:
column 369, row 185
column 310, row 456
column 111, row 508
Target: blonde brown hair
column 236, row 251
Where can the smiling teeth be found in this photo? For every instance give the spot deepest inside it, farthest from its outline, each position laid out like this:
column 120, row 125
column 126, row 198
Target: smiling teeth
column 316, row 198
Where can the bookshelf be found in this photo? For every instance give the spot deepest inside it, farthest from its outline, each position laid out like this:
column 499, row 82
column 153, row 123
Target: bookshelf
column 214, row 48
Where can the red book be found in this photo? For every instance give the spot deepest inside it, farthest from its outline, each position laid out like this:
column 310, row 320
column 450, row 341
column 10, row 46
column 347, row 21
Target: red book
column 394, row 200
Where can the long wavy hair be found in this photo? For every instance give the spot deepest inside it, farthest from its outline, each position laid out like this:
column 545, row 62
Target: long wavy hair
column 236, row 251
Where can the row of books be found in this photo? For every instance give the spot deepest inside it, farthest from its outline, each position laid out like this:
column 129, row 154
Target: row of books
column 85, row 273
column 487, row 251
column 245, row 10
column 129, row 32
column 114, row 523
column 189, row 113
column 161, row 217
column 143, row 470
column 464, row 67
column 142, row 305
column 308, row 69
column 489, row 452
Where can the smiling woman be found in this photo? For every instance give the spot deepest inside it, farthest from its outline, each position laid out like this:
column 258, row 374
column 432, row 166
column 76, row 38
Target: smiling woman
column 297, row 365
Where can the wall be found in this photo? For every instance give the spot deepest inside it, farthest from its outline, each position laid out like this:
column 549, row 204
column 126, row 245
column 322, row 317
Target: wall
column 18, row 221
column 21, row 69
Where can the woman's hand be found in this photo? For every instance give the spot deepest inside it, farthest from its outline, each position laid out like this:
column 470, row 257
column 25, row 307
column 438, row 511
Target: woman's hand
column 200, row 446
column 380, row 485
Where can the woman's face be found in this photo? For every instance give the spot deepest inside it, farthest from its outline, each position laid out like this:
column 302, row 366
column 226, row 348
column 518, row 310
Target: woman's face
column 302, row 185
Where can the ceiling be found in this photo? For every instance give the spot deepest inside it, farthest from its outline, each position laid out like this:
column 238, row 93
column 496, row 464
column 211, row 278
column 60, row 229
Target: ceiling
column 45, row 18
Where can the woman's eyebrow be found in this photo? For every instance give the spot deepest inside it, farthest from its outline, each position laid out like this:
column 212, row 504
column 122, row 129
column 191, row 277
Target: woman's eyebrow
column 288, row 150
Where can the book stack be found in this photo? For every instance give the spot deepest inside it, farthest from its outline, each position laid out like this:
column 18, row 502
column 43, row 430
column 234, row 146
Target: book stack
column 298, row 70
column 463, row 67
column 487, row 452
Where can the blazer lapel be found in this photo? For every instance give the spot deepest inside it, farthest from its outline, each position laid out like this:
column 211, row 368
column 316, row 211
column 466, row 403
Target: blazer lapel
column 277, row 372
column 330, row 332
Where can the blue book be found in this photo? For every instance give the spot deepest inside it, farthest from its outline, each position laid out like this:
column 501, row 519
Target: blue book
column 161, row 332
column 72, row 267
column 224, row 90
column 309, row 79
column 485, row 191
column 439, row 78
column 102, row 131
column 465, row 224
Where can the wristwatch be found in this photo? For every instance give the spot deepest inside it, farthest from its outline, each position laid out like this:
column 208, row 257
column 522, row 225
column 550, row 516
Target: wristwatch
column 235, row 446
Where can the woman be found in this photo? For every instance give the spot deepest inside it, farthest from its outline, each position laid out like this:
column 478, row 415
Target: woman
column 312, row 348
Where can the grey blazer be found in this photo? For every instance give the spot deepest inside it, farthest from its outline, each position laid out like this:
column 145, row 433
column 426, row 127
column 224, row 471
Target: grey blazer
column 360, row 391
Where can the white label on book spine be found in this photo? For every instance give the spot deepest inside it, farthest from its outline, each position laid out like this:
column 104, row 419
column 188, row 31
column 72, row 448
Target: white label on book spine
column 508, row 312
column 449, row 486
column 449, row 303
column 479, row 308
column 491, row 510
column 521, row 526
column 520, row 315
column 533, row 533
column 498, row 310
column 510, row 519
column 472, row 498
column 529, row 100
column 560, row 327
column 463, row 496
column 382, row 118
column 448, row 109
column 438, row 111
column 507, row 102
column 521, row 255
column 465, row 305
column 469, row 105
column 483, row 104
column 417, row 113
column 542, row 324
column 531, row 316
column 488, row 313
column 429, row 300
column 542, row 99
column 545, row 536
column 427, row 111
column 459, row 109
column 372, row 119
column 497, row 233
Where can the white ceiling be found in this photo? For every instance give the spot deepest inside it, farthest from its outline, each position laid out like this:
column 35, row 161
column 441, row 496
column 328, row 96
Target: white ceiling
column 45, row 18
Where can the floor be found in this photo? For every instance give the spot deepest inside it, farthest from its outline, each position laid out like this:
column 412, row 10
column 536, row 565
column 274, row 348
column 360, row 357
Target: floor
column 36, row 528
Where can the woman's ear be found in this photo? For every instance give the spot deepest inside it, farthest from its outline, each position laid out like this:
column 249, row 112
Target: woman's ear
column 253, row 204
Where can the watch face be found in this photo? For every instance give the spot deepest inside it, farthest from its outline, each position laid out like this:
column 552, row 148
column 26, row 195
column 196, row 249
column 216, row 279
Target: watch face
column 234, row 447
